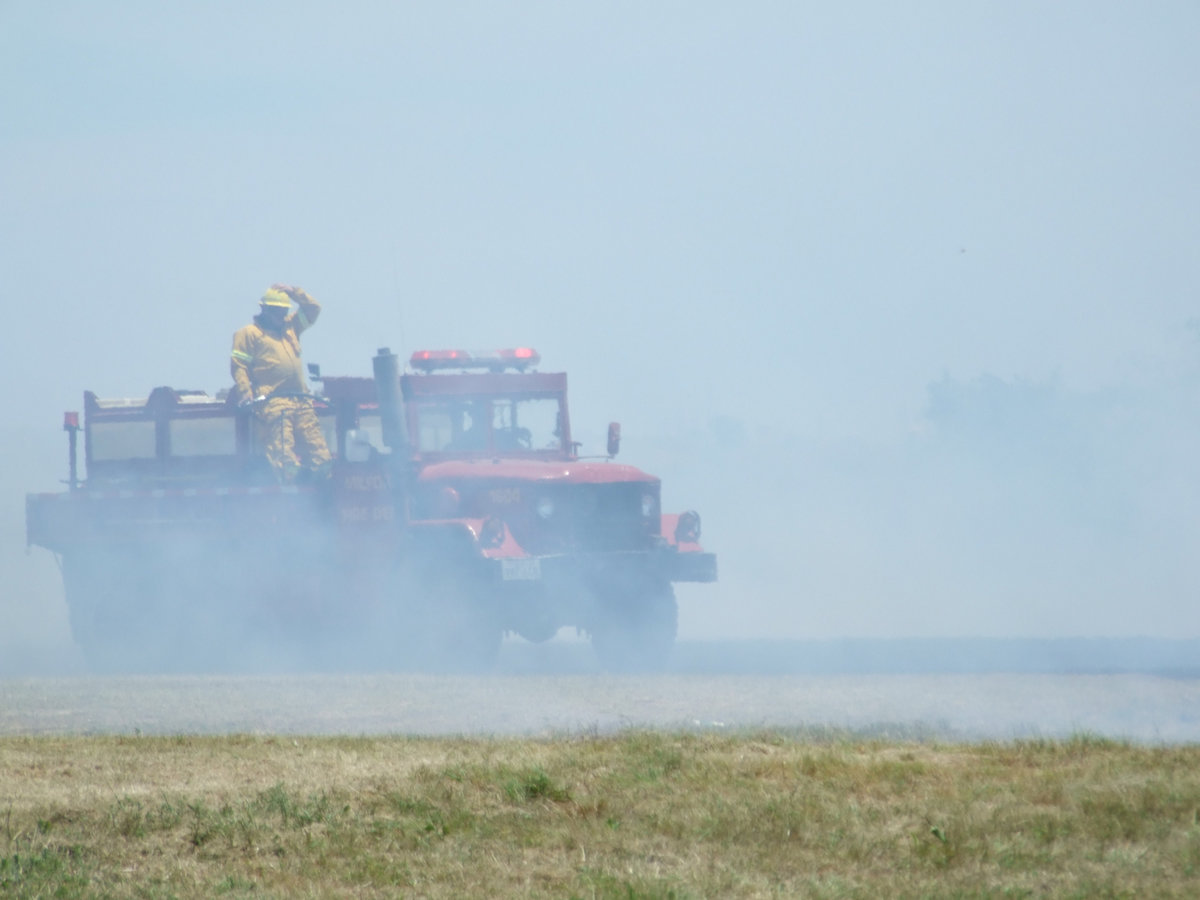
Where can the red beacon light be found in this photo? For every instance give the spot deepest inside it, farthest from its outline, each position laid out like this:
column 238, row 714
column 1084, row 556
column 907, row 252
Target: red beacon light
column 519, row 358
column 428, row 360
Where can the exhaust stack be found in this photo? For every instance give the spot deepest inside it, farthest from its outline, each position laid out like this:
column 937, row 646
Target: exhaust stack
column 386, row 367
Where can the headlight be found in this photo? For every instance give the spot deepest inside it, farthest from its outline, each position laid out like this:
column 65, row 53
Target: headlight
column 649, row 505
column 545, row 507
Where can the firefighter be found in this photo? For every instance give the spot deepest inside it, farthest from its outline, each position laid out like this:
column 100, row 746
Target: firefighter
column 269, row 377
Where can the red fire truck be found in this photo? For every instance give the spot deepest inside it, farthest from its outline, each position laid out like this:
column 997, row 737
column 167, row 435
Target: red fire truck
column 459, row 508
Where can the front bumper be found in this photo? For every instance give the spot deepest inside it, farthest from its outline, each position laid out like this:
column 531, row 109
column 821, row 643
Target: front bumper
column 667, row 565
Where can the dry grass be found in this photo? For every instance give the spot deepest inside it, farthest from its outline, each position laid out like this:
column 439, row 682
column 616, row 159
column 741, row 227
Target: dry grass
column 634, row 815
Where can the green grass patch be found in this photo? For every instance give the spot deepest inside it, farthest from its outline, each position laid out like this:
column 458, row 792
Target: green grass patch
column 634, row 815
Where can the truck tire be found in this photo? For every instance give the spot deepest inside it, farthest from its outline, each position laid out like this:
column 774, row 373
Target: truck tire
column 634, row 630
column 112, row 618
column 447, row 624
column 94, row 600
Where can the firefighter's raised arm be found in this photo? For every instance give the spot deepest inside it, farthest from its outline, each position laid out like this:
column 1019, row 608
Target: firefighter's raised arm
column 307, row 309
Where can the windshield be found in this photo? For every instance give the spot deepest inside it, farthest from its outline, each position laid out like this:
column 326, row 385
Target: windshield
column 489, row 424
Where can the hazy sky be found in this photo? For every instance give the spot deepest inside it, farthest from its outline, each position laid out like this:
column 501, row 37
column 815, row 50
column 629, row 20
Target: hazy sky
column 756, row 233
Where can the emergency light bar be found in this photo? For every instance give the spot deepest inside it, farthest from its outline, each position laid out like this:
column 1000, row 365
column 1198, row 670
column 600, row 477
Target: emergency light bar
column 519, row 358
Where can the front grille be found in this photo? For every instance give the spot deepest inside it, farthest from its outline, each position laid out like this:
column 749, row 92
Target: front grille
column 586, row 518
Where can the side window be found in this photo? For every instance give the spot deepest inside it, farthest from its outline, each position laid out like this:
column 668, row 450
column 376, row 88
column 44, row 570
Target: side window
column 471, row 431
column 371, row 428
column 122, row 440
column 204, row 437
column 434, row 427
column 495, row 423
column 543, row 418
column 532, row 424
column 452, row 427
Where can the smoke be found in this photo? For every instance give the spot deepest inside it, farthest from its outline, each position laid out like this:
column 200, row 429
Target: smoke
column 1013, row 508
column 35, row 636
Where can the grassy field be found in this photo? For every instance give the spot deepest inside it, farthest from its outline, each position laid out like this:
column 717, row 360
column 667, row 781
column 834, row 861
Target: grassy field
column 631, row 815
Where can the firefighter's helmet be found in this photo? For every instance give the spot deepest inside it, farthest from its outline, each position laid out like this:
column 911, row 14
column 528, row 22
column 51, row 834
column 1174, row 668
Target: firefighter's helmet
column 274, row 297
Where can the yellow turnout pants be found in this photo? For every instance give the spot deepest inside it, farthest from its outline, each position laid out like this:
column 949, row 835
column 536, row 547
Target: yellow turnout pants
column 287, row 430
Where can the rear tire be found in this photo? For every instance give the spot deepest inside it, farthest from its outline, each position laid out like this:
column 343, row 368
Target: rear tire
column 146, row 612
column 110, row 602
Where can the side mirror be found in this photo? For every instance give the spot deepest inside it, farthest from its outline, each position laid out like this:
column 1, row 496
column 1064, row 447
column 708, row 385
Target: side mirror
column 314, row 371
column 614, row 438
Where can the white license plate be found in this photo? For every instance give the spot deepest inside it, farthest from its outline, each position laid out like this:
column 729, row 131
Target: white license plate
column 528, row 569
